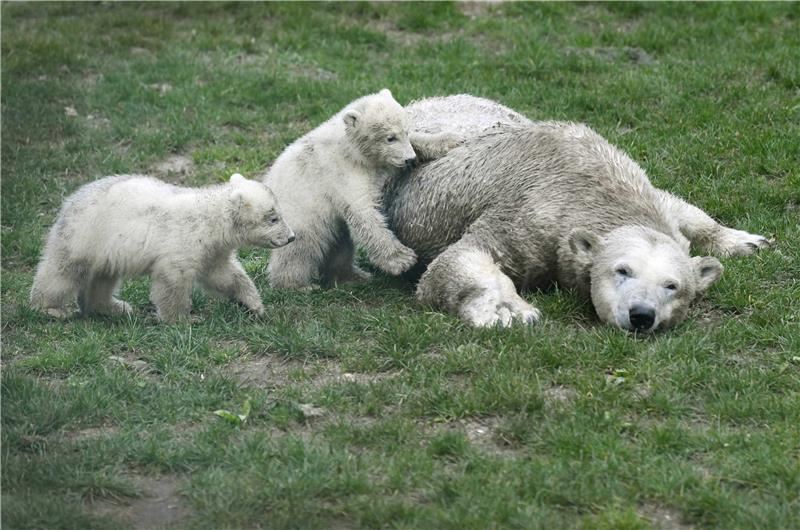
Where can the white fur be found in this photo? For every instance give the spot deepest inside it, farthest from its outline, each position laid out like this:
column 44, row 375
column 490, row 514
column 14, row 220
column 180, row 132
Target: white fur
column 535, row 203
column 329, row 183
column 126, row 226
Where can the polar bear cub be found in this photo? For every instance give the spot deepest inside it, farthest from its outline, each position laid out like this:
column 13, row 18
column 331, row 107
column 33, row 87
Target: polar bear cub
column 130, row 225
column 329, row 183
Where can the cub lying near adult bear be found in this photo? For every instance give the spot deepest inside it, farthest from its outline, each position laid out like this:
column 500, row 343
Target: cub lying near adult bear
column 329, row 183
column 525, row 204
column 130, row 225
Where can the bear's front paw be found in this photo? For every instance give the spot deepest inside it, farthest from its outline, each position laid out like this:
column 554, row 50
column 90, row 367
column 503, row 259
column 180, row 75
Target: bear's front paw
column 59, row 312
column 120, row 307
column 452, row 140
column 399, row 260
column 256, row 309
column 486, row 311
column 732, row 242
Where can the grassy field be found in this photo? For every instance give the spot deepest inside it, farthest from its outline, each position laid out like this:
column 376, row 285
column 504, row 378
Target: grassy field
column 367, row 410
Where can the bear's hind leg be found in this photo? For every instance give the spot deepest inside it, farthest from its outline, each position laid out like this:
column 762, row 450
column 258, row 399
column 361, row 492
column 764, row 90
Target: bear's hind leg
column 340, row 266
column 707, row 234
column 98, row 297
column 465, row 280
column 171, row 292
column 296, row 266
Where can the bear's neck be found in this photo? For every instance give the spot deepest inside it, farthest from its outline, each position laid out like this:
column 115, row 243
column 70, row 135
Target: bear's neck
column 218, row 217
column 353, row 153
column 571, row 273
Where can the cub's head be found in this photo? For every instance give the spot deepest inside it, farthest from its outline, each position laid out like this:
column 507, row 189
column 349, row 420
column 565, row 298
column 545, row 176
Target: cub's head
column 378, row 126
column 256, row 215
column 641, row 280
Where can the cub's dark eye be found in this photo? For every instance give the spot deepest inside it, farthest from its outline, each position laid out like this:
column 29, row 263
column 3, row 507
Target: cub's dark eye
column 671, row 286
column 623, row 271
column 273, row 219
column 392, row 139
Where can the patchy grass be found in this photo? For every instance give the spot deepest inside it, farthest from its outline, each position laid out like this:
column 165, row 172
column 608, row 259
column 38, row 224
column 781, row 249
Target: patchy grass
column 367, row 410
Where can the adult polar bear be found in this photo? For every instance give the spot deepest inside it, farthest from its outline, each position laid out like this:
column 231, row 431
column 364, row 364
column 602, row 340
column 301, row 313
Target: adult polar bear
column 523, row 204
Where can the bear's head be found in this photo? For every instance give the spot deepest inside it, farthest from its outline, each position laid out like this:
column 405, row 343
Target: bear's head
column 641, row 279
column 257, row 219
column 378, row 126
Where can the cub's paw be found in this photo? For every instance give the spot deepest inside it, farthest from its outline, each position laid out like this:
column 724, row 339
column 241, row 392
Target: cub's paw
column 256, row 309
column 397, row 261
column 119, row 307
column 59, row 312
column 451, row 141
column 732, row 242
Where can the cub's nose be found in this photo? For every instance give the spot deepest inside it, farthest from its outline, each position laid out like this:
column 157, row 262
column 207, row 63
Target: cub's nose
column 642, row 317
column 290, row 238
column 410, row 162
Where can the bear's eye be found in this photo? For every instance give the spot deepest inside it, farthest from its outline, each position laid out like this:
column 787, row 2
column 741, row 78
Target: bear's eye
column 392, row 139
column 623, row 271
column 671, row 286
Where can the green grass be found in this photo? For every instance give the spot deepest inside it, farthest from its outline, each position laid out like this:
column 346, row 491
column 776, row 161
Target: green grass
column 368, row 410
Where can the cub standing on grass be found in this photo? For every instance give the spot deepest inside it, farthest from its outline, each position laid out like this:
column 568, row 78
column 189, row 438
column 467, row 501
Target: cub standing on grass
column 329, row 183
column 126, row 226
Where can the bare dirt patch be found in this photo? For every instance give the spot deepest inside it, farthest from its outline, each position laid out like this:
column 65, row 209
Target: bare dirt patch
column 174, row 165
column 160, row 506
column 478, row 9
column 313, row 72
column 558, row 398
column 278, row 373
column 482, row 434
column 612, row 54
column 663, row 518
column 91, row 433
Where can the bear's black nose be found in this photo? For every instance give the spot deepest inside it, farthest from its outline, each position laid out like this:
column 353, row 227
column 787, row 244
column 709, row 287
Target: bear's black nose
column 642, row 317
column 410, row 162
column 291, row 238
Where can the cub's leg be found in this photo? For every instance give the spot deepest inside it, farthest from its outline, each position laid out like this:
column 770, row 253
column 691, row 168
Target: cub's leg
column 229, row 279
column 296, row 266
column 98, row 297
column 171, row 292
column 368, row 228
column 431, row 146
column 465, row 280
column 705, row 233
column 55, row 287
column 340, row 264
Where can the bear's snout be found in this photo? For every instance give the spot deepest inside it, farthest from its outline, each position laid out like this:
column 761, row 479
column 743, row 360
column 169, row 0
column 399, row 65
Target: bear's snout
column 410, row 162
column 642, row 317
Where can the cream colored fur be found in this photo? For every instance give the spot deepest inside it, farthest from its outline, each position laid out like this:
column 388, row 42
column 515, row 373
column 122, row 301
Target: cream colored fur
column 527, row 204
column 126, row 226
column 329, row 184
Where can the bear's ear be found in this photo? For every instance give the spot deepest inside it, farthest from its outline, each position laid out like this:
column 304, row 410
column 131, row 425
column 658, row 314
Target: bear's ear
column 386, row 93
column 351, row 118
column 707, row 270
column 237, row 178
column 583, row 244
column 239, row 199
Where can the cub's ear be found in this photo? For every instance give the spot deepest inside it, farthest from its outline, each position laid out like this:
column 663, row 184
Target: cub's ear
column 351, row 118
column 386, row 93
column 707, row 270
column 239, row 199
column 583, row 244
column 237, row 178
